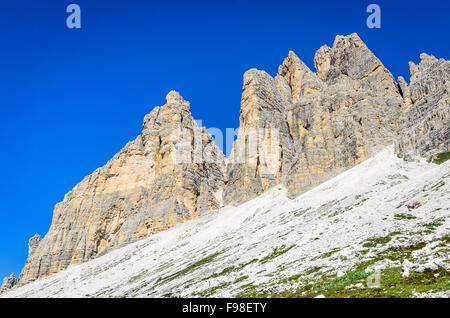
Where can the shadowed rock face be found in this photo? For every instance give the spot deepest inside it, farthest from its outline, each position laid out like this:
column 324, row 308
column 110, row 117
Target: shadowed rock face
column 298, row 129
column 144, row 189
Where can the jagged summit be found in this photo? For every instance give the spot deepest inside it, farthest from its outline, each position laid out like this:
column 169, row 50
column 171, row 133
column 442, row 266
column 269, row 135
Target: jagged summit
column 355, row 221
column 174, row 98
column 425, row 125
column 426, row 61
column 297, row 129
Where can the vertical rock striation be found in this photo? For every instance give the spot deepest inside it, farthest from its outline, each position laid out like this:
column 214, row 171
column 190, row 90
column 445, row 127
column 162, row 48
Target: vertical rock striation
column 325, row 122
column 170, row 173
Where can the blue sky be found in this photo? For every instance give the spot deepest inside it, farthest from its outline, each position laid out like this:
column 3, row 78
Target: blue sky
column 70, row 99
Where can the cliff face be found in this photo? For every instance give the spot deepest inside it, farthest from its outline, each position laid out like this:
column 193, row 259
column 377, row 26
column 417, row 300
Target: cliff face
column 8, row 283
column 298, row 129
column 325, row 122
column 155, row 182
column 425, row 125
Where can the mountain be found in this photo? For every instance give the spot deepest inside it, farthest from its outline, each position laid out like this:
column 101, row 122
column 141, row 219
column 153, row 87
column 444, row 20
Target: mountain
column 296, row 131
column 142, row 190
column 385, row 214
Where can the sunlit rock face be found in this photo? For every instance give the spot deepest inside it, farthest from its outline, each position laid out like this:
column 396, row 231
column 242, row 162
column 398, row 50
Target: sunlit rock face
column 153, row 183
column 324, row 122
column 298, row 129
column 425, row 125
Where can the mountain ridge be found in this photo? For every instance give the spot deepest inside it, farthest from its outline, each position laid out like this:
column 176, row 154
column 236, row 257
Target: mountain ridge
column 384, row 214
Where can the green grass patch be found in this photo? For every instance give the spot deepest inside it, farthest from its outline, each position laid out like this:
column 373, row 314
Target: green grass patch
column 372, row 242
column 404, row 216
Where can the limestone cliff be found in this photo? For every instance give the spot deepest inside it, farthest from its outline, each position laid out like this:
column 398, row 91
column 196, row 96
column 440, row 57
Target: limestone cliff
column 155, row 182
column 8, row 283
column 298, row 129
column 326, row 121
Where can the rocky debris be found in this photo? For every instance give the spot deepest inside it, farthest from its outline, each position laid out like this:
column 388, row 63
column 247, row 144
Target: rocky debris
column 291, row 286
column 428, row 267
column 424, row 127
column 8, row 283
column 172, row 172
column 405, row 272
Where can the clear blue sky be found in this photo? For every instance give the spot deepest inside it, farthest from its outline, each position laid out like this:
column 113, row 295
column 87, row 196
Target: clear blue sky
column 71, row 99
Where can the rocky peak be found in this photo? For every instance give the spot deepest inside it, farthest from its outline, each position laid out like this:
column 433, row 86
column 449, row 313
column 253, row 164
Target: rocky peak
column 426, row 62
column 172, row 113
column 322, row 62
column 8, row 283
column 404, row 91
